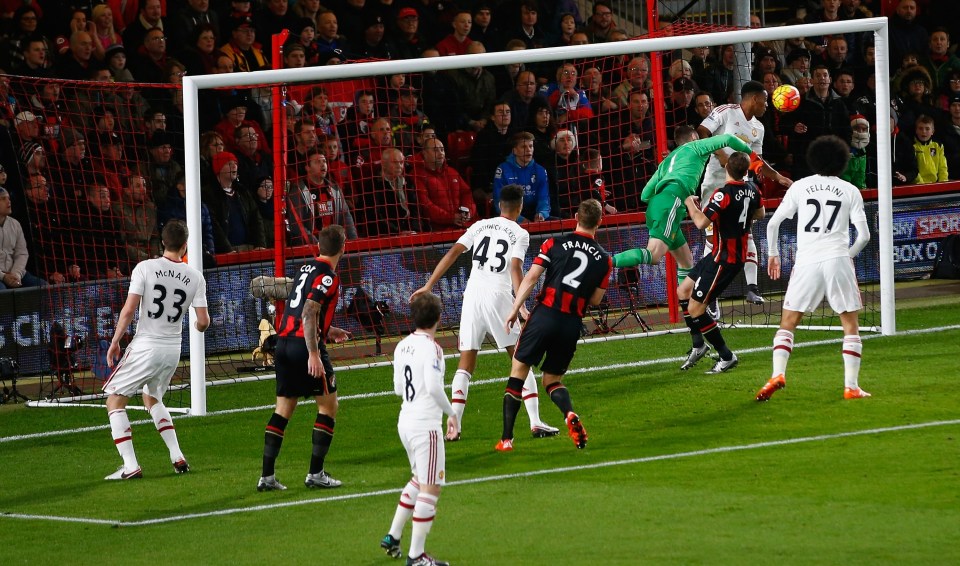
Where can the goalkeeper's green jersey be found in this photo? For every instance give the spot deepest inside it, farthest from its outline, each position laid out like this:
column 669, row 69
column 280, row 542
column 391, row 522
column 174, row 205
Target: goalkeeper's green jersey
column 683, row 167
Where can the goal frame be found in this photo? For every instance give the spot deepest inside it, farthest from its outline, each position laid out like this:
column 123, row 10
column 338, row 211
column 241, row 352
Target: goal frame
column 192, row 84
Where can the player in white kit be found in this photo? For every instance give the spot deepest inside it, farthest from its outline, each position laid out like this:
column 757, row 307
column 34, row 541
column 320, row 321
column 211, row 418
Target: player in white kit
column 741, row 121
column 418, row 369
column 498, row 246
column 161, row 289
column 825, row 206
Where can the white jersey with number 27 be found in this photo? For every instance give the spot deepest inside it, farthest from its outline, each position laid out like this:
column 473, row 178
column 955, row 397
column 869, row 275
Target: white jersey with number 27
column 825, row 207
column 492, row 244
column 167, row 288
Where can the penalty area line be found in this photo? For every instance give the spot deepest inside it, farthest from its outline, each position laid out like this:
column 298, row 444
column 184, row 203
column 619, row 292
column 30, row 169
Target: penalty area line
column 488, row 479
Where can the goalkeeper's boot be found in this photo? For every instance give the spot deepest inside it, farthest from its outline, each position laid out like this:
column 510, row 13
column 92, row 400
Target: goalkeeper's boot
column 694, row 356
column 851, row 393
column 724, row 365
column 425, row 560
column 543, row 430
column 575, row 428
column 713, row 309
column 321, row 479
column 505, row 445
column 773, row 385
column 122, row 474
column 270, row 483
column 391, row 545
column 754, row 296
column 181, row 466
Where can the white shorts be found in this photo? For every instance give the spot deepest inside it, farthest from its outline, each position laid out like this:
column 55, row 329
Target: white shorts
column 486, row 314
column 148, row 367
column 834, row 278
column 426, row 454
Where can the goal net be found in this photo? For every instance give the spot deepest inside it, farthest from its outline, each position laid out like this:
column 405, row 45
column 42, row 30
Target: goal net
column 311, row 146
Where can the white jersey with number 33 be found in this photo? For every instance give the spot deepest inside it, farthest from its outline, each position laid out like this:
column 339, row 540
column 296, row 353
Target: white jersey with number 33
column 167, row 288
column 825, row 207
column 493, row 243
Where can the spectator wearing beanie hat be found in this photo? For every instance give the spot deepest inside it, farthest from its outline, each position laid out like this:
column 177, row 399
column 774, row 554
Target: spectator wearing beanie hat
column 856, row 172
column 237, row 225
column 274, row 17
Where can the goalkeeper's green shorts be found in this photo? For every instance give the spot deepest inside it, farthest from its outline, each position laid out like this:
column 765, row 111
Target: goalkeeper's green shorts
column 665, row 212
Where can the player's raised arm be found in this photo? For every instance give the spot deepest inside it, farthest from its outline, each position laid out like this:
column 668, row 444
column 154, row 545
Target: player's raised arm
column 451, row 256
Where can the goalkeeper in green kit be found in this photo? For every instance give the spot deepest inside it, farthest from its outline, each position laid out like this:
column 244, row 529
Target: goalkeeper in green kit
column 677, row 177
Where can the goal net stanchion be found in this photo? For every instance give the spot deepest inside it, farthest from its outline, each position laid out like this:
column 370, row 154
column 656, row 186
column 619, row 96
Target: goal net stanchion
column 610, row 54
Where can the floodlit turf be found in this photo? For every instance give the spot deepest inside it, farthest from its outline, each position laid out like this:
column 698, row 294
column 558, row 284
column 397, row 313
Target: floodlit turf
column 680, row 468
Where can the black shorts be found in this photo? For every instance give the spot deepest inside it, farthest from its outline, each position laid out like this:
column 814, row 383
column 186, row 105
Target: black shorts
column 552, row 333
column 710, row 279
column 293, row 380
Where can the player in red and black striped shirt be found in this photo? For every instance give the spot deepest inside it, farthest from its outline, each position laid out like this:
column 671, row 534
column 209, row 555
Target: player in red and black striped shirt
column 303, row 365
column 577, row 271
column 731, row 210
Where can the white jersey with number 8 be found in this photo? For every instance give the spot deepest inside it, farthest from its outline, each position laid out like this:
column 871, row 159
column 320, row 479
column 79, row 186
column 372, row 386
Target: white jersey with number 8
column 418, row 369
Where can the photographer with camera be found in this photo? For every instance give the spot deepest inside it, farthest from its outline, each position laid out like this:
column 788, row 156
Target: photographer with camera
column 162, row 289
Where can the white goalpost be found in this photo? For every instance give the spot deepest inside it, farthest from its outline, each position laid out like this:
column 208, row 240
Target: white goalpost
column 193, row 84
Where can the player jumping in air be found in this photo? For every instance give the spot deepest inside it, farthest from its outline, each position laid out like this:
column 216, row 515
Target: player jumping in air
column 497, row 247
column 731, row 211
column 674, row 180
column 418, row 369
column 303, row 365
column 742, row 121
column 161, row 289
column 577, row 273
column 825, row 207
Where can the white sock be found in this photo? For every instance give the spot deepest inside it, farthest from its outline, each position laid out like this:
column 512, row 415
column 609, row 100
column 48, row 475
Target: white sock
column 423, row 513
column 123, row 438
column 750, row 267
column 458, row 397
column 164, row 423
column 408, row 499
column 852, row 349
column 531, row 400
column 782, row 348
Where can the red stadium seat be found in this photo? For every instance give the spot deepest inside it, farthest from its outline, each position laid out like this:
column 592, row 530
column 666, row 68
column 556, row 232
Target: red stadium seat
column 459, row 144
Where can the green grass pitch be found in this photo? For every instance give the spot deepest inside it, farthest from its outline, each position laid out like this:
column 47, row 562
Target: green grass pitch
column 681, row 468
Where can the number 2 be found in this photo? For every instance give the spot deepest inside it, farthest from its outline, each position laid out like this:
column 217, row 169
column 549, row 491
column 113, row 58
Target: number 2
column 570, row 279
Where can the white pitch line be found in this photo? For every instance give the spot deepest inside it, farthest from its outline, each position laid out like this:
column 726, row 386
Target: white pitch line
column 474, row 383
column 487, row 479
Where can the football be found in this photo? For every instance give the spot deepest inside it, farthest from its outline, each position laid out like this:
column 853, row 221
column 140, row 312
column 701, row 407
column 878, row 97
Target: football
column 786, row 98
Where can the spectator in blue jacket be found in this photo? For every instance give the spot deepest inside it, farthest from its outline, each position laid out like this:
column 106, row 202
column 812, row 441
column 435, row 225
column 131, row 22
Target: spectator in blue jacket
column 521, row 169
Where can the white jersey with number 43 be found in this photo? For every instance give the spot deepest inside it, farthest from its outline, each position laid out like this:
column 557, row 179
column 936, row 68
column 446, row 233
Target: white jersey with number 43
column 167, row 288
column 492, row 243
column 825, row 207
column 728, row 119
column 418, row 369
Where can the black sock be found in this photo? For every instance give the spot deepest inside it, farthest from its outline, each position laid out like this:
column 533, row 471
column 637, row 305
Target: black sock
column 711, row 331
column 561, row 397
column 512, row 401
column 322, row 437
column 695, row 334
column 272, row 440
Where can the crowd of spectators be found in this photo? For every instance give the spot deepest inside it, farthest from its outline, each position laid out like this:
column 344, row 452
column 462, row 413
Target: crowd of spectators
column 99, row 170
